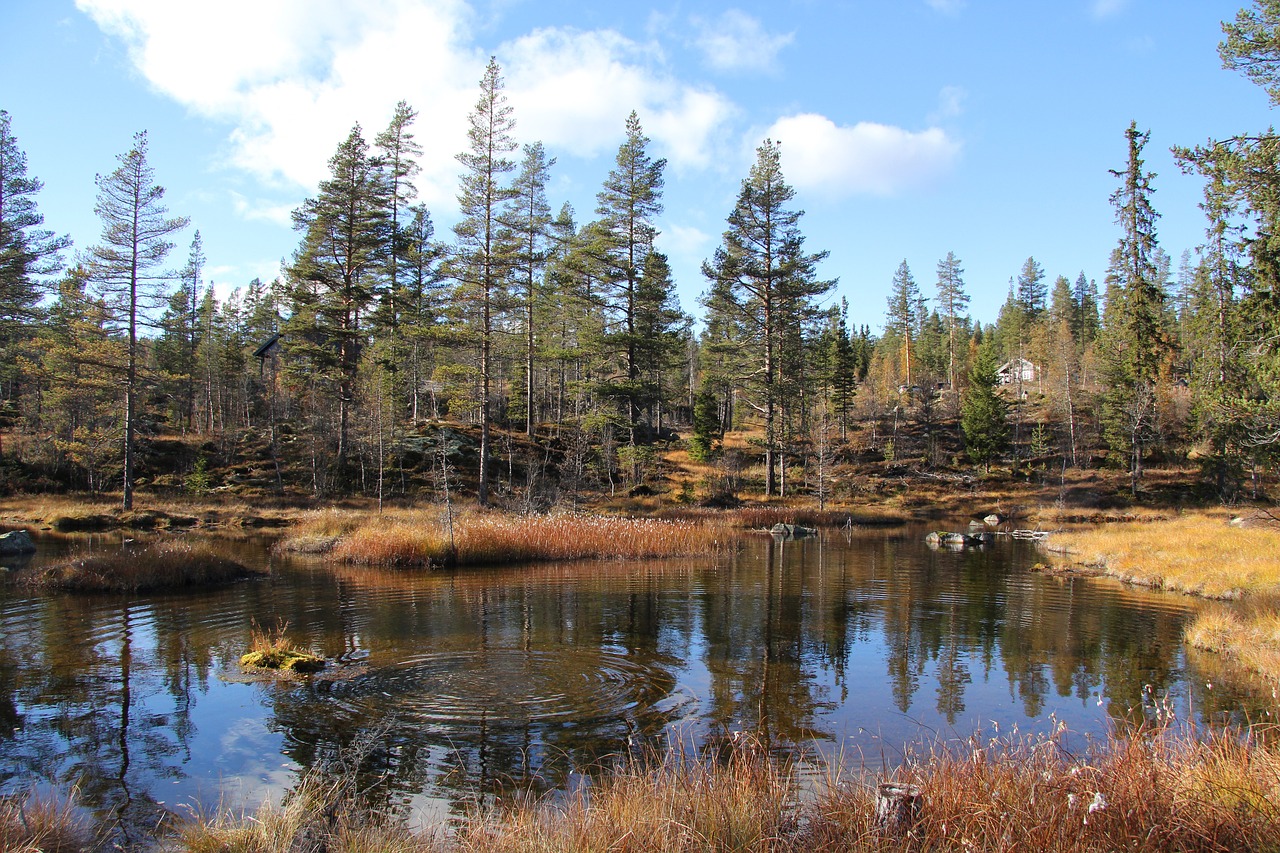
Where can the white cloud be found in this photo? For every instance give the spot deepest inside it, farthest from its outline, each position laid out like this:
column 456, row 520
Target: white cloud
column 292, row 76
column 685, row 240
column 879, row 159
column 1108, row 8
column 608, row 75
column 736, row 41
column 947, row 7
column 950, row 103
column 260, row 210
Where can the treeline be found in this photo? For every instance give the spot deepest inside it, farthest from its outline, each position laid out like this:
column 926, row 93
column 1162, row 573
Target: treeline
column 527, row 320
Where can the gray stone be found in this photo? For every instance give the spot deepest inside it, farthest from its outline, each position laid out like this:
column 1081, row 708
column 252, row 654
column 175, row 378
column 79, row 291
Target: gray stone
column 16, row 542
column 781, row 529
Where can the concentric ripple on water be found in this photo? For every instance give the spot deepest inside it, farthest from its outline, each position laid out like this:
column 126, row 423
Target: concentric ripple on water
column 511, row 686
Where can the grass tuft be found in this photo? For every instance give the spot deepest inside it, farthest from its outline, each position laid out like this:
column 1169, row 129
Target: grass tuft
column 171, row 564
column 33, row 824
column 272, row 649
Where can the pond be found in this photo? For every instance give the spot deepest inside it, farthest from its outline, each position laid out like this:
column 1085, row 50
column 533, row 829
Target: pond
column 454, row 686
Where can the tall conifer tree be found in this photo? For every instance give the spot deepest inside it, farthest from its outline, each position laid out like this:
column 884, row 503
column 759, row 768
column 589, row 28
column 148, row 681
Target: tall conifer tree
column 335, row 272
column 762, row 283
column 1136, row 347
column 482, row 259
column 124, row 266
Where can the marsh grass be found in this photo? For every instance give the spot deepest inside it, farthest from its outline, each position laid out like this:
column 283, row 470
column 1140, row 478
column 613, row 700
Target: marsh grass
column 488, row 538
column 1247, row 632
column 33, row 824
column 764, row 517
column 170, row 564
column 1195, row 554
column 1154, row 790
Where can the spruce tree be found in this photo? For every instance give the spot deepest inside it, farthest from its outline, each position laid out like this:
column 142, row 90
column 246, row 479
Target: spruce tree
column 124, row 266
column 1135, row 346
column 984, row 417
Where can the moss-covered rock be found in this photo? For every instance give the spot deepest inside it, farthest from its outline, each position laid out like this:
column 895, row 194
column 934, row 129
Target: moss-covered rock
column 290, row 660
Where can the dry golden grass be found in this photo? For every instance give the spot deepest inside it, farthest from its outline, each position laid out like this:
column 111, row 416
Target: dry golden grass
column 489, row 538
column 1197, row 554
column 311, row 818
column 170, row 564
column 1150, row 792
column 1156, row 790
column 37, row 825
column 1248, row 633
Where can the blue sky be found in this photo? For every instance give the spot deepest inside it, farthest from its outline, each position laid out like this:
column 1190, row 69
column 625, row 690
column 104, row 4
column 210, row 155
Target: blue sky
column 909, row 128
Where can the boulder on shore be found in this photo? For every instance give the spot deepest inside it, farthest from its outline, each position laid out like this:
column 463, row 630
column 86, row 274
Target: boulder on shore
column 16, row 542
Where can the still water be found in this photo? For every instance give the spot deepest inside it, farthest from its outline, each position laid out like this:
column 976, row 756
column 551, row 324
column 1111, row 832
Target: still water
column 452, row 686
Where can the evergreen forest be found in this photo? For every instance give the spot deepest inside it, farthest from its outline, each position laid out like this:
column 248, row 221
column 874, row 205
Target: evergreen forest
column 535, row 354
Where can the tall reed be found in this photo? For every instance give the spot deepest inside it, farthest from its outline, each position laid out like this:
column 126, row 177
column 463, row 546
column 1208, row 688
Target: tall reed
column 485, row 538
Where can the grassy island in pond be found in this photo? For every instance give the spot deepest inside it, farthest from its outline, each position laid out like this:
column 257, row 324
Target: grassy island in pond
column 181, row 564
column 431, row 538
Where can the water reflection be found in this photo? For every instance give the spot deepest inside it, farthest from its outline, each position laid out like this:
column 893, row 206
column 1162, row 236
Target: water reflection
column 462, row 684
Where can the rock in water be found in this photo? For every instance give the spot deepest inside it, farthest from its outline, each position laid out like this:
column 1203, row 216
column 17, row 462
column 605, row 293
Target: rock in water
column 16, row 542
column 781, row 529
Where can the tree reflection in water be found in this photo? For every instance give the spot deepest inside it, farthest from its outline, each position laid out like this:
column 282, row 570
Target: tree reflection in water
column 469, row 684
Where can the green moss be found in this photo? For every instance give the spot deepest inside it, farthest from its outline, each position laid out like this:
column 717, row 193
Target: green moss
column 291, row 660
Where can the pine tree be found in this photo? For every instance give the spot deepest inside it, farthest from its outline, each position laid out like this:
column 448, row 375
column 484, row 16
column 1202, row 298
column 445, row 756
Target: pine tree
column 628, row 203
column 334, row 275
column 175, row 350
column 903, row 317
column 952, row 301
column 27, row 252
column 422, row 297
column 1032, row 289
column 78, row 420
column 482, row 259
column 529, row 221
column 762, row 285
column 124, row 267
